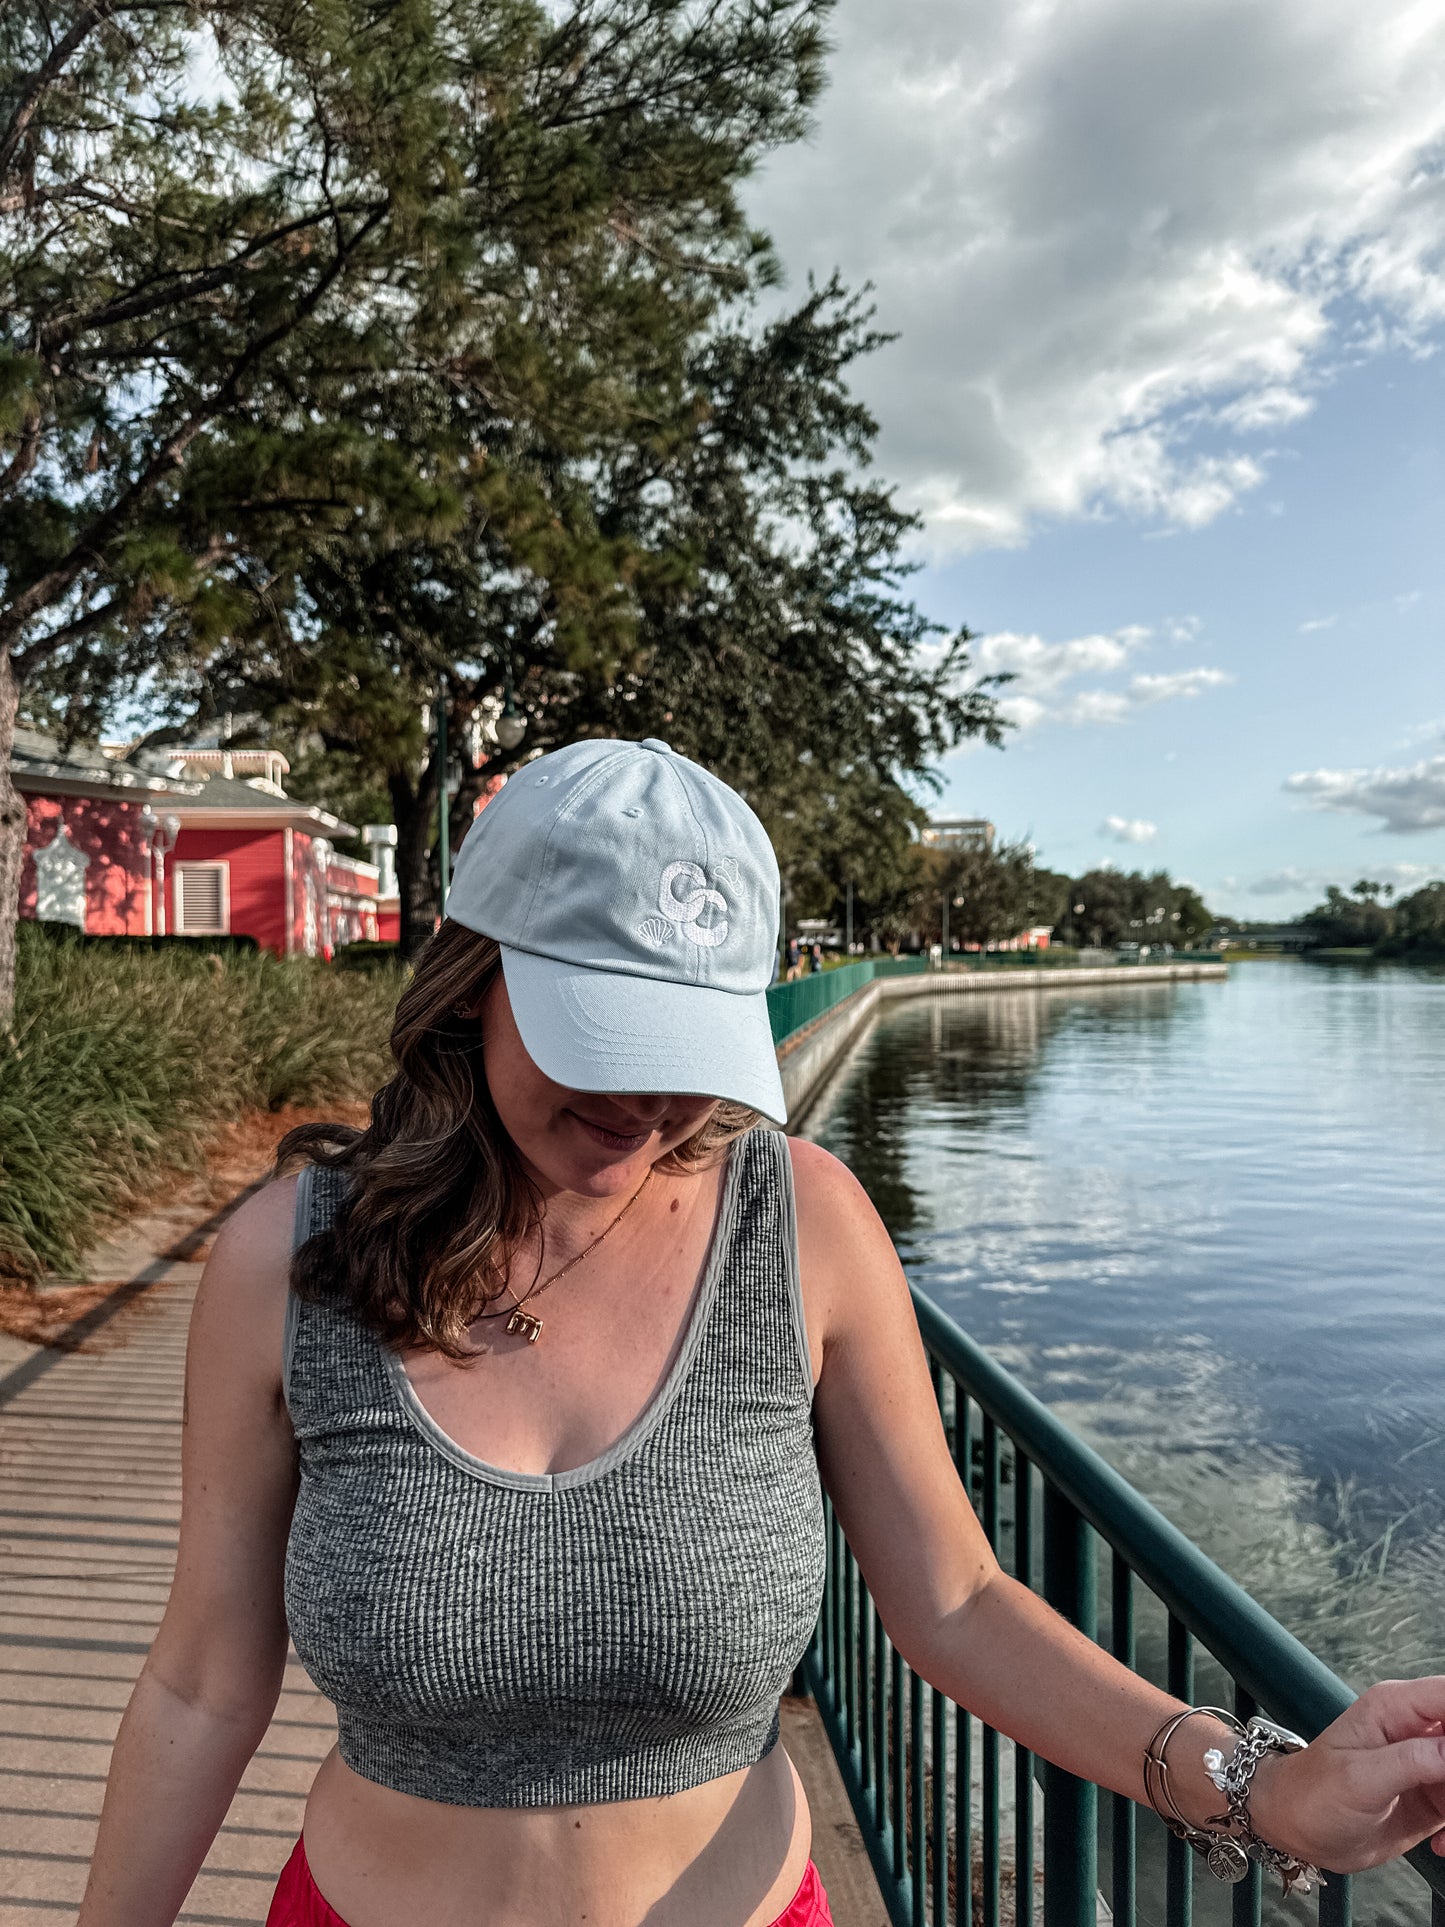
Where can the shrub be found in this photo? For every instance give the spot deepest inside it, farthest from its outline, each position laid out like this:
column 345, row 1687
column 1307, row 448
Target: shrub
column 127, row 1059
column 31, row 930
column 368, row 955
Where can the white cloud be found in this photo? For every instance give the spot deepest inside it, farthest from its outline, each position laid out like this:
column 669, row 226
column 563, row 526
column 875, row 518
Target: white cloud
column 1404, row 800
column 1265, row 408
column 1317, row 622
column 1182, row 682
column 1117, row 237
column 1128, row 829
column 1044, row 665
column 1043, row 670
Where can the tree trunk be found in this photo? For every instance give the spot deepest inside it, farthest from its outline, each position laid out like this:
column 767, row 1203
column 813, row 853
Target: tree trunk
column 12, row 843
column 413, row 806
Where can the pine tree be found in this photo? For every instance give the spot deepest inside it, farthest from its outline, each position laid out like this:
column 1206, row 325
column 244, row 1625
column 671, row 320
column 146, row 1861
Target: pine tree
column 725, row 575
column 281, row 283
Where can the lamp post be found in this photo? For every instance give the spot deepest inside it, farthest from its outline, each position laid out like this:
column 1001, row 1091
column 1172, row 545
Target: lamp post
column 943, row 964
column 849, row 920
column 161, row 833
column 444, row 828
column 509, row 728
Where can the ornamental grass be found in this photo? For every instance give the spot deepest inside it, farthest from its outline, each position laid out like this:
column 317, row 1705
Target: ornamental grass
column 126, row 1062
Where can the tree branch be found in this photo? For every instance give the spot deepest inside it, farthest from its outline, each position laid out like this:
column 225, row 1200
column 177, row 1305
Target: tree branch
column 134, row 306
column 45, row 76
column 25, row 456
column 164, row 462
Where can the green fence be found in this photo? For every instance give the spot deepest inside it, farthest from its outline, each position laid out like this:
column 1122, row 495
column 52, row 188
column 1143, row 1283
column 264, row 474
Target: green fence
column 1064, row 1522
column 792, row 1006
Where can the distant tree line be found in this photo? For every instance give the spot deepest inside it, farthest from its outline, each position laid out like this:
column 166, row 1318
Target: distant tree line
column 989, row 895
column 1370, row 916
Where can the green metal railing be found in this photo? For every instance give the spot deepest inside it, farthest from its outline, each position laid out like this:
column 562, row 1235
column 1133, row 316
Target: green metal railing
column 792, row 1006
column 928, row 1784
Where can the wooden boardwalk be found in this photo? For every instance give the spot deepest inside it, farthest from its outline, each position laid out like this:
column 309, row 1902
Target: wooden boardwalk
column 89, row 1504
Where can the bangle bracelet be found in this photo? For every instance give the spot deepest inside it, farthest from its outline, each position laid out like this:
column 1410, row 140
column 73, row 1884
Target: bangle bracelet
column 1228, row 1842
column 1226, row 1857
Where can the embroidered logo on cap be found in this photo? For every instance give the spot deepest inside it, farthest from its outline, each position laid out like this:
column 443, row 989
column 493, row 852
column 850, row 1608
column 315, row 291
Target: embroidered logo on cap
column 683, row 913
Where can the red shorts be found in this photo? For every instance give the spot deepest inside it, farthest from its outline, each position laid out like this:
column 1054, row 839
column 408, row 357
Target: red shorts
column 299, row 1902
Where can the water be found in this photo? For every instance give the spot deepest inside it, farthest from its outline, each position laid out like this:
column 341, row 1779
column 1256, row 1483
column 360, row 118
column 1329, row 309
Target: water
column 1204, row 1222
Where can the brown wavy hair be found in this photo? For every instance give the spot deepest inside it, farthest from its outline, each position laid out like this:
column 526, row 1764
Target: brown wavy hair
column 438, row 1199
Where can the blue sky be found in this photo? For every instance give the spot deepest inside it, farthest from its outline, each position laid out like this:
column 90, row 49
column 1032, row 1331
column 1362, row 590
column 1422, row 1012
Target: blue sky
column 1170, row 286
column 1322, row 597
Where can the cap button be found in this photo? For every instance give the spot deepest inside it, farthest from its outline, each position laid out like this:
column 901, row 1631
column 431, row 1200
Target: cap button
column 656, row 742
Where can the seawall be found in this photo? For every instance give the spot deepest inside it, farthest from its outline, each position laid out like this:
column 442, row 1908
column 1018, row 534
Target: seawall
column 807, row 1056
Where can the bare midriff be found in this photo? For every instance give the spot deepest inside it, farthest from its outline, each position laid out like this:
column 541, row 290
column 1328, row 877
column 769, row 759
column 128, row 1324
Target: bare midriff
column 729, row 1853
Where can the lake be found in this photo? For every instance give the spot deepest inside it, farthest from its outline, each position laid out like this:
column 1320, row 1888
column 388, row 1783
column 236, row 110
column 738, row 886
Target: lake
column 1204, row 1222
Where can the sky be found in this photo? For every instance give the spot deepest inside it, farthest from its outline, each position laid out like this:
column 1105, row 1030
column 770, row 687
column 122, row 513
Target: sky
column 1168, row 393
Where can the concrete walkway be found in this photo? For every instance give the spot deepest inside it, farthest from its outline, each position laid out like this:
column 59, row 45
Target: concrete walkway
column 89, row 1505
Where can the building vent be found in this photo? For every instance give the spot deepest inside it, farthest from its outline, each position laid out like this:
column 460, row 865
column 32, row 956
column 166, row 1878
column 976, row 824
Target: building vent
column 202, row 906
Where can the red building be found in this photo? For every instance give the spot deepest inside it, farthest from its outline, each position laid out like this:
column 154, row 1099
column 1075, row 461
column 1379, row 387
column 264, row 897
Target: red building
column 91, row 825
column 249, row 858
column 190, row 842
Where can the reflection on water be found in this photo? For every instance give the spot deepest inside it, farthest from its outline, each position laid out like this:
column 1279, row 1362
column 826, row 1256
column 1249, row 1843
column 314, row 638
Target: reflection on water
column 1204, row 1223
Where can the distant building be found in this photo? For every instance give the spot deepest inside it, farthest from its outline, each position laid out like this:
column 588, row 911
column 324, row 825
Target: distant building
column 90, row 828
column 959, row 833
column 188, row 842
column 249, row 860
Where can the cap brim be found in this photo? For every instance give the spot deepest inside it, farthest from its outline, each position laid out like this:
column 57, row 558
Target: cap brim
column 601, row 1030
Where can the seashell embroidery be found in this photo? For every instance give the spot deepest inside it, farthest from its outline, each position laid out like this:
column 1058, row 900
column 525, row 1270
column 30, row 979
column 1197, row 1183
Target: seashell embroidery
column 654, row 930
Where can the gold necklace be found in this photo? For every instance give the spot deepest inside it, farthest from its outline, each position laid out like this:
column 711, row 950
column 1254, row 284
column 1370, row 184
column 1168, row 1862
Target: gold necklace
column 526, row 1324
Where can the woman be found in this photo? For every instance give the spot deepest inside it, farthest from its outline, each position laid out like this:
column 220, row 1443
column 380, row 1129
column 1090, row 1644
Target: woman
column 515, row 1404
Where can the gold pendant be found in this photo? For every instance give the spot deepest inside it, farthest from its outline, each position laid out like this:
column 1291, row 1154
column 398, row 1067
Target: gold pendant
column 522, row 1322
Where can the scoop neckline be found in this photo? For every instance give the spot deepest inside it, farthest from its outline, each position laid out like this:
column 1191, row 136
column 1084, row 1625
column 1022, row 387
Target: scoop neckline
column 647, row 1420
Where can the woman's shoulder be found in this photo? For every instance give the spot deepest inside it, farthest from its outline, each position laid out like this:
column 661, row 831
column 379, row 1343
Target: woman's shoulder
column 258, row 1235
column 243, row 1291
column 823, row 1183
column 843, row 1245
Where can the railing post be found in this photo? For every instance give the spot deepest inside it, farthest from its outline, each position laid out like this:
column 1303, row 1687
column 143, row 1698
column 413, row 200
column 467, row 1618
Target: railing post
column 1071, row 1847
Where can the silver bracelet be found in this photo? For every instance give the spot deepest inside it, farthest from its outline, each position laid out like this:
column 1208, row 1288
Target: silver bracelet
column 1227, row 1854
column 1232, row 1776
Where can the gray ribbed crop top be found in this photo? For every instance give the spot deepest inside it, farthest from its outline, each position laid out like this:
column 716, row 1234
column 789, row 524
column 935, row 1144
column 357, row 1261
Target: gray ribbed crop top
column 615, row 1632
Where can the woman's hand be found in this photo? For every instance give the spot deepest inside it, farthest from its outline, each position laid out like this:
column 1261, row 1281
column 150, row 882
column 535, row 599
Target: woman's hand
column 1368, row 1789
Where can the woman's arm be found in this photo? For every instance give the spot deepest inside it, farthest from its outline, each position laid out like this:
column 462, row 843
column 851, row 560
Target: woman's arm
column 1371, row 1786
column 211, row 1681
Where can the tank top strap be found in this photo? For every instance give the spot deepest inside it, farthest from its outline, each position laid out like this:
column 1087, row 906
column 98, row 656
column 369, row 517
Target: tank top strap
column 329, row 1362
column 759, row 1311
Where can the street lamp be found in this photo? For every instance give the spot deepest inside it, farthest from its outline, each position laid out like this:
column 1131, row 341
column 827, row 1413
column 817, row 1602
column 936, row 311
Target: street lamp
column 509, row 728
column 160, row 836
column 444, row 826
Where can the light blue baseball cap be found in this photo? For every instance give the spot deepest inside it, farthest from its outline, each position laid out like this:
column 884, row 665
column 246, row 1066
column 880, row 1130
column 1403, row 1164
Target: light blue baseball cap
column 635, row 899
